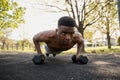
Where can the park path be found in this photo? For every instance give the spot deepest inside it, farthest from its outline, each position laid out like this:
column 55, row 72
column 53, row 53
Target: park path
column 19, row 66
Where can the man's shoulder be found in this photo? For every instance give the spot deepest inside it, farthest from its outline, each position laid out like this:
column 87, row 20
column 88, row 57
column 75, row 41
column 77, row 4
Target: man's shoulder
column 49, row 33
column 77, row 34
column 78, row 37
column 45, row 35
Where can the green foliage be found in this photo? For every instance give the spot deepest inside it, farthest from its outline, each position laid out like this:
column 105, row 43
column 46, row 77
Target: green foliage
column 11, row 15
column 1, row 34
column 109, row 12
column 88, row 35
column 24, row 42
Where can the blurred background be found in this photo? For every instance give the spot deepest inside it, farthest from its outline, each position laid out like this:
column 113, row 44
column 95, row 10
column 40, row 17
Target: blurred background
column 97, row 21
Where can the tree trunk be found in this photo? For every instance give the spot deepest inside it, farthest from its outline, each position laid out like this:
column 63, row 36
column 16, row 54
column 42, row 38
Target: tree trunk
column 7, row 46
column 108, row 41
column 22, row 46
column 3, row 45
column 108, row 34
column 83, row 46
column 16, row 46
column 119, row 43
column 12, row 46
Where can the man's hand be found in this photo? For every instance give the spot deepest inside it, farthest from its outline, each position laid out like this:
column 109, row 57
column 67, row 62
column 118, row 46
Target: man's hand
column 80, row 59
column 38, row 59
column 77, row 56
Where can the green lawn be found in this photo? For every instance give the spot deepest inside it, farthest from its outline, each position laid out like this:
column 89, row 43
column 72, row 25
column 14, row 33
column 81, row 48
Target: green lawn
column 114, row 49
column 99, row 50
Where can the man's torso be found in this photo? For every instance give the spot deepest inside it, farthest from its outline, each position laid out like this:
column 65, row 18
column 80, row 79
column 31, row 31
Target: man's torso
column 53, row 43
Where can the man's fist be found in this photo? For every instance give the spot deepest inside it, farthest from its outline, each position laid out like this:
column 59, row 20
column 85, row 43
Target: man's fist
column 38, row 59
column 80, row 59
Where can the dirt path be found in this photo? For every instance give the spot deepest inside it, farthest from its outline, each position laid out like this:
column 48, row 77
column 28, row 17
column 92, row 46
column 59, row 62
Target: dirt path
column 18, row 66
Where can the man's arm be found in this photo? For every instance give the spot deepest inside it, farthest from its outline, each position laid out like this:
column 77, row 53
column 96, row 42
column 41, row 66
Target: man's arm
column 79, row 44
column 40, row 37
column 37, row 44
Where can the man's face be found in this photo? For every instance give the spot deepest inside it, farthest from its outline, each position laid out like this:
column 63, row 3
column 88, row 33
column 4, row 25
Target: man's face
column 65, row 34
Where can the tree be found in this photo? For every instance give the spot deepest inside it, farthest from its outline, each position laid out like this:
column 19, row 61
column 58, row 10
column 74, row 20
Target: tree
column 22, row 43
column 9, row 43
column 85, row 12
column 4, row 37
column 118, row 40
column 88, row 34
column 3, row 40
column 108, row 23
column 11, row 15
column 18, row 44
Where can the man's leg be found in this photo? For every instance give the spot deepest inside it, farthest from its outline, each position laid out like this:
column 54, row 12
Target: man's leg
column 48, row 51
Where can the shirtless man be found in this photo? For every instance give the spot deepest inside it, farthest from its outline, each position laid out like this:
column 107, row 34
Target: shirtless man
column 61, row 39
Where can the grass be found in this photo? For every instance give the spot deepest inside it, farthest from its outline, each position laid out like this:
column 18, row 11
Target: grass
column 88, row 50
column 19, row 50
column 98, row 50
column 104, row 49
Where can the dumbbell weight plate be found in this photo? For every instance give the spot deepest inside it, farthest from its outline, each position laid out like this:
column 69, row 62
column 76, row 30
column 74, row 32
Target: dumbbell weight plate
column 74, row 59
column 38, row 59
column 83, row 59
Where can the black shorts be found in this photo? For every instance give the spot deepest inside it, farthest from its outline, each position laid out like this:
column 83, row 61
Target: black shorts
column 49, row 51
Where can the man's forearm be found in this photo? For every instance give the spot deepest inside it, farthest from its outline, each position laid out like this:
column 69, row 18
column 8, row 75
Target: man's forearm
column 79, row 46
column 37, row 46
column 78, row 49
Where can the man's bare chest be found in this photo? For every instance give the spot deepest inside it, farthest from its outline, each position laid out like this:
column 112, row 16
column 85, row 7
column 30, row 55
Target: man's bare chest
column 57, row 47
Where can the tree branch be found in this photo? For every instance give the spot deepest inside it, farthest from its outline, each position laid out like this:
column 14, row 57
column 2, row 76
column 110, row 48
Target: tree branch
column 56, row 7
column 77, row 11
column 92, row 21
column 71, row 5
column 92, row 8
column 82, row 12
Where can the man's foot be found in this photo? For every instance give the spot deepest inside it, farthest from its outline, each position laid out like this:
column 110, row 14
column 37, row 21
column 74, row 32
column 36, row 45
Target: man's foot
column 47, row 54
column 54, row 55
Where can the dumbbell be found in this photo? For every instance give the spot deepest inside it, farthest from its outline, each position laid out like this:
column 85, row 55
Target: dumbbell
column 38, row 59
column 81, row 60
column 74, row 59
column 47, row 54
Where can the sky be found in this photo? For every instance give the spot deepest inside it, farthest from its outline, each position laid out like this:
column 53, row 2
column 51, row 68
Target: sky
column 36, row 20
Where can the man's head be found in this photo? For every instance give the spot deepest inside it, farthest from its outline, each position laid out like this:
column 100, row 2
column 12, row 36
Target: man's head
column 66, row 29
column 66, row 21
